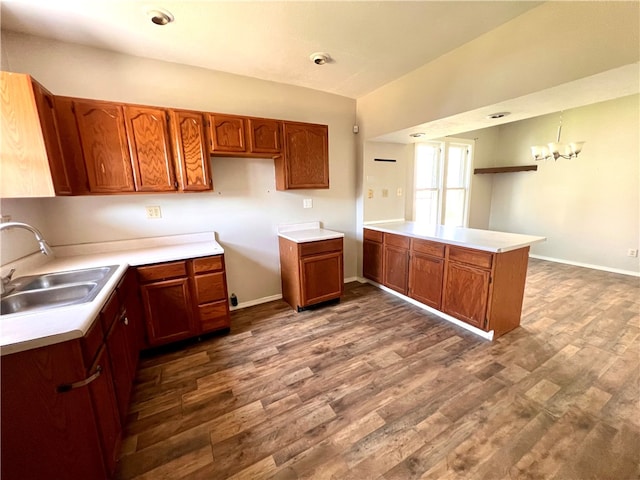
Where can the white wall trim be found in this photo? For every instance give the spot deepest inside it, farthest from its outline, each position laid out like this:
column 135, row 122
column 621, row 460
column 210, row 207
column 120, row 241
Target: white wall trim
column 444, row 316
column 587, row 265
column 257, row 301
column 351, row 279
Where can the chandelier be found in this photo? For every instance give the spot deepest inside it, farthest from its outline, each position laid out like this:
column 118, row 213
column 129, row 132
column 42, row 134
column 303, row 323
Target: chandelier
column 556, row 149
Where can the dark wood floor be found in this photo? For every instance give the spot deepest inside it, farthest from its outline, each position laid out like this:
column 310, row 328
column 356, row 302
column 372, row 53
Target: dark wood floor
column 374, row 387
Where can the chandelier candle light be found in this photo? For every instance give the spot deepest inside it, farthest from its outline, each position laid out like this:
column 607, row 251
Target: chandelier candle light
column 556, row 149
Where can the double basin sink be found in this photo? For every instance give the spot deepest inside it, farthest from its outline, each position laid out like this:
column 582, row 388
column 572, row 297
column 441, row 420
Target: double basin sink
column 50, row 290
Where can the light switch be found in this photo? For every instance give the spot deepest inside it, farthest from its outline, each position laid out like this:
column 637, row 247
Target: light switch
column 385, row 192
column 307, row 203
column 399, row 192
column 370, row 193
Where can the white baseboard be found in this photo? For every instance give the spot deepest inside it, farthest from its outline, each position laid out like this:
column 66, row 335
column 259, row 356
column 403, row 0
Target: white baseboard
column 444, row 316
column 587, row 265
column 257, row 301
column 271, row 298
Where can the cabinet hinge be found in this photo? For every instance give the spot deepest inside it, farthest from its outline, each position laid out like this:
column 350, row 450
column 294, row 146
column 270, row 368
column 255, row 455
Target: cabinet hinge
column 486, row 321
column 73, row 107
column 490, row 280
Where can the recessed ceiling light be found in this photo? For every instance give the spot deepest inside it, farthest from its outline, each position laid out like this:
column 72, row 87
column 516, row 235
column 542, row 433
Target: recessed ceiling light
column 160, row 17
column 417, row 134
column 320, row 58
column 493, row 116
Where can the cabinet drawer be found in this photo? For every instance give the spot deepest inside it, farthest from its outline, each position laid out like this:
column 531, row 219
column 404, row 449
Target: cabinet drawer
column 213, row 316
column 471, row 257
column 162, row 271
column 321, row 246
column 425, row 246
column 210, row 287
column 397, row 240
column 373, row 235
column 208, row 264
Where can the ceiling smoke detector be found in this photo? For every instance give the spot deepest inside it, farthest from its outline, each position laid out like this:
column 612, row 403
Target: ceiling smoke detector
column 417, row 134
column 160, row 17
column 320, row 58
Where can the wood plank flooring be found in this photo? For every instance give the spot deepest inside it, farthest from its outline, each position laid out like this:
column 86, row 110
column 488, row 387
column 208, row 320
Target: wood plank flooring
column 375, row 388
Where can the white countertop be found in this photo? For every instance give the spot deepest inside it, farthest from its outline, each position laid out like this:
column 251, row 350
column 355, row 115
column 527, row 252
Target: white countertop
column 307, row 232
column 487, row 240
column 24, row 331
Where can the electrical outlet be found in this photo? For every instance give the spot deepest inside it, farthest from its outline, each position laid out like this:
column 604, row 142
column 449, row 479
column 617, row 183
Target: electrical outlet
column 385, row 192
column 370, row 193
column 154, row 211
column 6, row 218
column 307, row 203
column 632, row 252
column 399, row 192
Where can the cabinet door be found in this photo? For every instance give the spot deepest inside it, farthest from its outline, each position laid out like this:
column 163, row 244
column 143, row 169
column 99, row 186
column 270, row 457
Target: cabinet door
column 103, row 137
column 192, row 154
column 321, row 278
column 148, row 134
column 227, row 133
column 47, row 433
column 372, row 261
column 118, row 348
column 44, row 102
column 396, row 268
column 264, row 135
column 168, row 311
column 466, row 291
column 306, row 157
column 106, row 410
column 25, row 166
column 425, row 279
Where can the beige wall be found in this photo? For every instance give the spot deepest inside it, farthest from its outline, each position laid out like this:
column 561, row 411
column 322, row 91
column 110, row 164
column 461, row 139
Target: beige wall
column 550, row 45
column 244, row 209
column 589, row 207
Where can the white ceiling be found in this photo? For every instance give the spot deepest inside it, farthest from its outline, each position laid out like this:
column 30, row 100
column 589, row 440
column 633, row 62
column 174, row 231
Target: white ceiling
column 371, row 42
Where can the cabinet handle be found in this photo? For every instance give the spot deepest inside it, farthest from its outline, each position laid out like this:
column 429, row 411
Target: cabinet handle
column 125, row 320
column 66, row 387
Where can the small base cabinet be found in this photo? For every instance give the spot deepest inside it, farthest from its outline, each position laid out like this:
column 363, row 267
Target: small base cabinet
column 312, row 272
column 481, row 288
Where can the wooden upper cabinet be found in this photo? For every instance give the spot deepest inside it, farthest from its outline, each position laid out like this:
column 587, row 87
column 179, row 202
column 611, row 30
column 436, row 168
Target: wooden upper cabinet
column 191, row 153
column 227, row 133
column 30, row 151
column 150, row 148
column 305, row 160
column 103, row 137
column 45, row 104
column 264, row 135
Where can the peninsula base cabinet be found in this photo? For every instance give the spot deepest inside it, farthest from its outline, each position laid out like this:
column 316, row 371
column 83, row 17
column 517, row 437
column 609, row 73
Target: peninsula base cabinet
column 484, row 289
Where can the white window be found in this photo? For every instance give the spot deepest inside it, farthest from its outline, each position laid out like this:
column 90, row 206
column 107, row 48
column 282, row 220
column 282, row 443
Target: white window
column 442, row 181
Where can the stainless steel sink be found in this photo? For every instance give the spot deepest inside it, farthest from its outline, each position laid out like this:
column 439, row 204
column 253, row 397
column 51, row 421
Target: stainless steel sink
column 62, row 278
column 51, row 290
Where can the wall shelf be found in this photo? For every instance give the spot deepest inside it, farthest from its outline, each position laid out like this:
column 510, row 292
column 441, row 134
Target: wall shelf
column 520, row 168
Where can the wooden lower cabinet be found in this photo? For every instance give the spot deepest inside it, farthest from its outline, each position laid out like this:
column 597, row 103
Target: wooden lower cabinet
column 311, row 272
column 425, row 279
column 184, row 299
column 395, row 264
column 63, row 405
column 484, row 289
column 466, row 293
column 210, row 287
column 372, row 255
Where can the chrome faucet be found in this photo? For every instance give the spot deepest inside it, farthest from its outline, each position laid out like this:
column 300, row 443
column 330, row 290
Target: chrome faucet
column 42, row 243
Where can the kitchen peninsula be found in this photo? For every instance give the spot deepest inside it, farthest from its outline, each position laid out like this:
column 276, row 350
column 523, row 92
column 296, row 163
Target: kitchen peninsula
column 474, row 278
